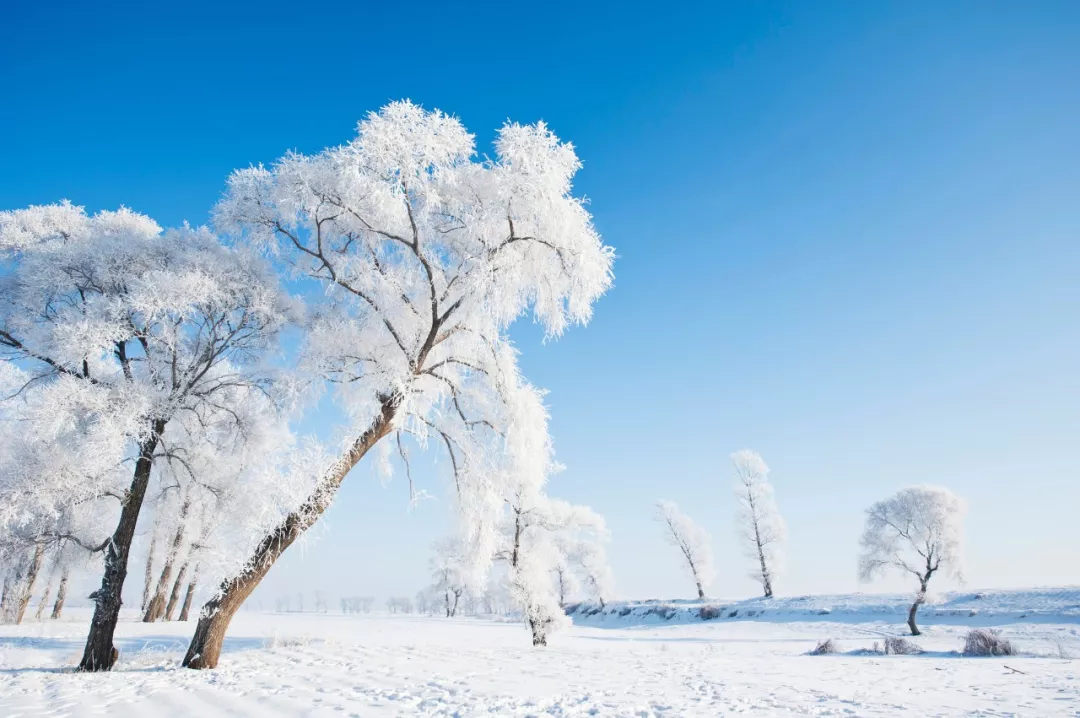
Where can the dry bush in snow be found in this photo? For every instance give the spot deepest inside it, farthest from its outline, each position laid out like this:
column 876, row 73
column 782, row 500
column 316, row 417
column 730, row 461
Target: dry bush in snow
column 828, row 647
column 987, row 642
column 896, row 646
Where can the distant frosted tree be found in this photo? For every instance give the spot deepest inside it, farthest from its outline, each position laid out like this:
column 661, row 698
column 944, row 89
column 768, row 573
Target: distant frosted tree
column 449, row 575
column 919, row 531
column 761, row 528
column 540, row 536
column 693, row 542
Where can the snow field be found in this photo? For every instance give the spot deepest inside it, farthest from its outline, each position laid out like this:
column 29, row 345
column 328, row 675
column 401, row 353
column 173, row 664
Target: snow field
column 405, row 665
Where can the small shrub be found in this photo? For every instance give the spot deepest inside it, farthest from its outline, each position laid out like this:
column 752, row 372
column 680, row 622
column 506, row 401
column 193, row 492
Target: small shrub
column 987, row 642
column 708, row 613
column 901, row 647
column 827, row 647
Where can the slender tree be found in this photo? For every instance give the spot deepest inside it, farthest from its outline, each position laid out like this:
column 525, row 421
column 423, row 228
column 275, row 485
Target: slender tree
column 761, row 528
column 185, row 610
column 918, row 531
column 426, row 255
column 693, row 542
column 61, row 595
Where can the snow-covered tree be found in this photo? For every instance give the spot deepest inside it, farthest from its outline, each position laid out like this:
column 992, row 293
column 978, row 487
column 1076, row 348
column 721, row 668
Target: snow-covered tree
column 426, row 255
column 761, row 528
column 693, row 542
column 918, row 531
column 449, row 575
column 132, row 327
column 539, row 537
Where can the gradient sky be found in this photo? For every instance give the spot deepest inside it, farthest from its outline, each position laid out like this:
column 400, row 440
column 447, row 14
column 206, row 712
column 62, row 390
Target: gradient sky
column 847, row 238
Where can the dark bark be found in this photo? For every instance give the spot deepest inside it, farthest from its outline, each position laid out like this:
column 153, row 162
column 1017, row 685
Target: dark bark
column 205, row 648
column 174, row 597
column 186, row 609
column 919, row 599
column 100, row 654
column 539, row 635
column 700, row 590
column 61, row 594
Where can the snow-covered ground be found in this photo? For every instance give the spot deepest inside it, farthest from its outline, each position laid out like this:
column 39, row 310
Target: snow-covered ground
column 388, row 665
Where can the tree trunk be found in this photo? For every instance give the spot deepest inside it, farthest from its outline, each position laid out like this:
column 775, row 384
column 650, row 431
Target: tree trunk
column 205, row 648
column 44, row 601
column 174, row 597
column 700, row 591
column 155, row 610
column 27, row 589
column 539, row 638
column 5, row 598
column 766, row 579
column 13, row 585
column 148, row 577
column 61, row 594
column 100, row 654
column 186, row 608
column 919, row 598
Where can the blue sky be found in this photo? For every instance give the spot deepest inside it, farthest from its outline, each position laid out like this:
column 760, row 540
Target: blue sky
column 847, row 237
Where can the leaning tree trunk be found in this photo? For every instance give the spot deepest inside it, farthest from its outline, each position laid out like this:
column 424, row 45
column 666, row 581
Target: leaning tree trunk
column 174, row 597
column 766, row 577
column 61, row 594
column 28, row 583
column 44, row 602
column 155, row 610
column 148, row 577
column 205, row 648
column 186, row 608
column 919, row 598
column 700, row 591
column 100, row 654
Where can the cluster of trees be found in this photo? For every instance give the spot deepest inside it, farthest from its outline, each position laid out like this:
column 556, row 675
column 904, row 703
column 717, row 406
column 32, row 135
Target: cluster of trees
column 542, row 550
column 144, row 387
column 918, row 532
column 357, row 604
column 761, row 529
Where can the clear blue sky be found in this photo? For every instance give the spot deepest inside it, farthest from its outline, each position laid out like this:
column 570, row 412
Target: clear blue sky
column 848, row 238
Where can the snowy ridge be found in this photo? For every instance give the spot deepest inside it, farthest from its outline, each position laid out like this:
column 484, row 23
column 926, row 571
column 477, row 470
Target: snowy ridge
column 1059, row 605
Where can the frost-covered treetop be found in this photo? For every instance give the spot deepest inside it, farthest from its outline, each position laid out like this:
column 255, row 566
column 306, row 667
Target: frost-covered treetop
column 431, row 250
column 113, row 300
column 918, row 530
column 406, row 218
column 112, row 327
column 427, row 253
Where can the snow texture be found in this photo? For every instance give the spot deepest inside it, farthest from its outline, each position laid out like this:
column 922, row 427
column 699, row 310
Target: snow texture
column 609, row 665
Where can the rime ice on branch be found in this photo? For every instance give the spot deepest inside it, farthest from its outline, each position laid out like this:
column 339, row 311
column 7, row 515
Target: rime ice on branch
column 426, row 255
column 761, row 528
column 918, row 531
column 120, row 329
column 693, row 542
